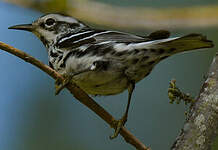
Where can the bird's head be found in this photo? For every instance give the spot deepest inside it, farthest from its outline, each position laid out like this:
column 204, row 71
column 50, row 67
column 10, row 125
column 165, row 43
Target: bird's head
column 48, row 27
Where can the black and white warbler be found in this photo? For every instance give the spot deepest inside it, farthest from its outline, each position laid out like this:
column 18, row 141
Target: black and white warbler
column 104, row 62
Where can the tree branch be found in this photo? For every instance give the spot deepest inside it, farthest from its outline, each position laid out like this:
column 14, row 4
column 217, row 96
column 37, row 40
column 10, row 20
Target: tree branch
column 78, row 93
column 201, row 125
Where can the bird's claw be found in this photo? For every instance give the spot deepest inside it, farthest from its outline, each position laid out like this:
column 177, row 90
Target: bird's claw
column 59, row 85
column 119, row 124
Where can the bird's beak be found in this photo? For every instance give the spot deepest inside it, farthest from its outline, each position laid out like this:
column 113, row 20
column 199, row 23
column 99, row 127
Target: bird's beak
column 26, row 27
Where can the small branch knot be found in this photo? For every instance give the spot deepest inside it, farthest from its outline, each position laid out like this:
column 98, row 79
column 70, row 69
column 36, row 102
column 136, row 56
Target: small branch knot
column 176, row 95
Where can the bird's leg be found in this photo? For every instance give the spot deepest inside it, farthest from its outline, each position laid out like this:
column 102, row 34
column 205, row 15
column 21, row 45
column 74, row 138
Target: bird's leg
column 120, row 123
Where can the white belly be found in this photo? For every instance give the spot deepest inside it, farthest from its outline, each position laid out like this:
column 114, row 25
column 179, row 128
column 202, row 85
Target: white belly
column 101, row 83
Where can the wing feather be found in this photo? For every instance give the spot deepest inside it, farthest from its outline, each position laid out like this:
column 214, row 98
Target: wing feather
column 119, row 37
column 74, row 40
column 88, row 36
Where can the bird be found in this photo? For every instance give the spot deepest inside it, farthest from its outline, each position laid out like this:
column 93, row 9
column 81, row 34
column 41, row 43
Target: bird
column 105, row 62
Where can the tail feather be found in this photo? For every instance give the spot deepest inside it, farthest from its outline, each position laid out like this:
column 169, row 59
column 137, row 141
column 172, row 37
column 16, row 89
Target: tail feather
column 186, row 43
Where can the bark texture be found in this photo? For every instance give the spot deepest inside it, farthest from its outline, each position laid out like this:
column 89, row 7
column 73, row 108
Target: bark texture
column 201, row 126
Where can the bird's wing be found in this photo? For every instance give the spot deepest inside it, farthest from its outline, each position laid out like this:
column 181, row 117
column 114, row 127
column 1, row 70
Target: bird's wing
column 74, row 40
column 88, row 36
column 122, row 37
column 119, row 37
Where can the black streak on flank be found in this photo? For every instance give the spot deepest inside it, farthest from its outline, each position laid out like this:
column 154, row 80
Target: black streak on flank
column 97, row 86
column 144, row 66
column 60, row 57
column 136, row 51
column 147, row 73
column 120, row 53
column 81, row 54
column 172, row 50
column 163, row 57
column 161, row 51
column 101, row 65
column 63, row 65
column 106, row 50
column 144, row 50
column 98, row 50
column 94, row 50
column 151, row 62
column 53, row 54
column 113, row 52
column 134, row 61
column 65, row 59
column 144, row 58
column 152, row 50
column 50, row 65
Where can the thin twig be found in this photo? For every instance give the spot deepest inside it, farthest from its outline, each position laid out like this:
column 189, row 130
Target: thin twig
column 78, row 93
column 175, row 94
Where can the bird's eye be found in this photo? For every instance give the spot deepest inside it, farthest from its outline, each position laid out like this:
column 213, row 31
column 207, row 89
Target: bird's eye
column 50, row 22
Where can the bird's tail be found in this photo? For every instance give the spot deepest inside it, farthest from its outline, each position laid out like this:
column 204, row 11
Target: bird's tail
column 181, row 44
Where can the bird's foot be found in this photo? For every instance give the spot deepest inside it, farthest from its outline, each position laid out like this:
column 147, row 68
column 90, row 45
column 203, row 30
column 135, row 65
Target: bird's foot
column 119, row 124
column 60, row 85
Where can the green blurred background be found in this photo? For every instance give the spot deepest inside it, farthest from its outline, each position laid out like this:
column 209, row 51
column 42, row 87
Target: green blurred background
column 32, row 118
